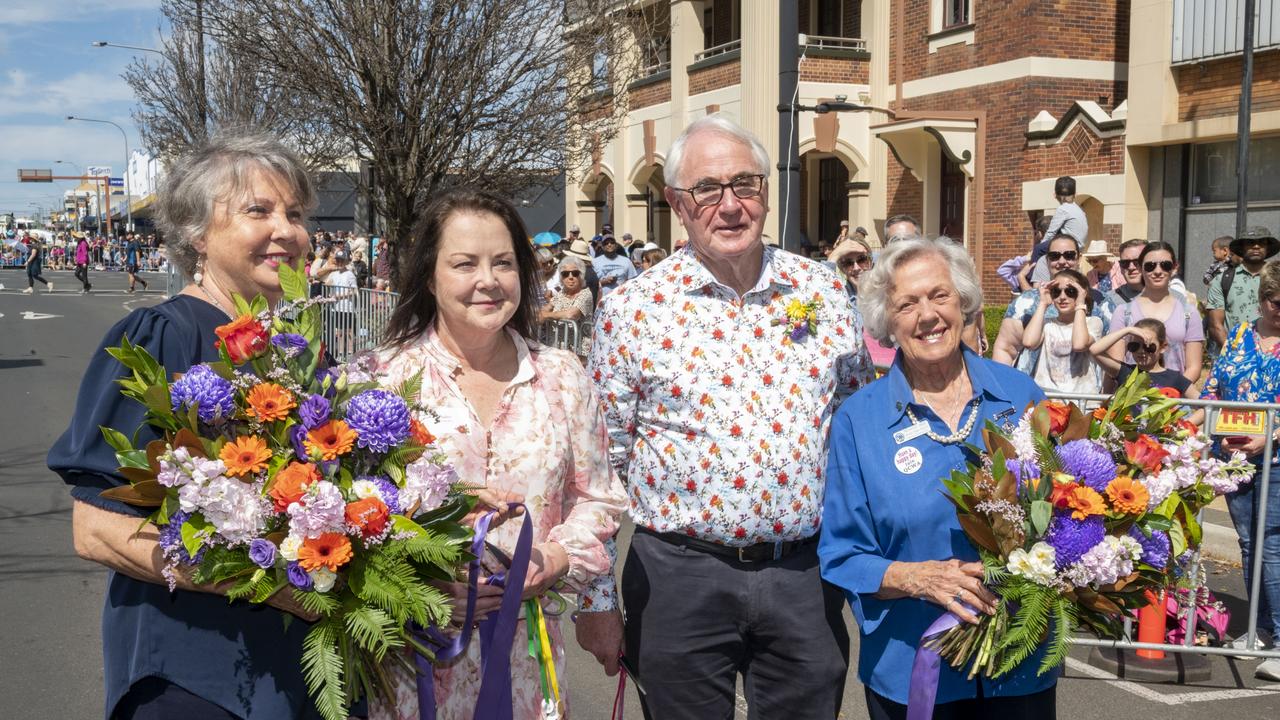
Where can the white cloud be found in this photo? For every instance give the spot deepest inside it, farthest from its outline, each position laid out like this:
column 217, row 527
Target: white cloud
column 78, row 93
column 28, row 12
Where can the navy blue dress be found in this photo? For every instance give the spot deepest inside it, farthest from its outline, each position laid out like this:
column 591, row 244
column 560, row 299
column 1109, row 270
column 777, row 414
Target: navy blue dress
column 238, row 656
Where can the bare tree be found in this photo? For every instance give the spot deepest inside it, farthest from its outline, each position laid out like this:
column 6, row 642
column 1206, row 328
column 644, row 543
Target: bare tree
column 201, row 85
column 434, row 93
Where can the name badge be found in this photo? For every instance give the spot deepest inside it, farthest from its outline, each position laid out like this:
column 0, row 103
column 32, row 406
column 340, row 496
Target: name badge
column 914, row 431
column 908, row 460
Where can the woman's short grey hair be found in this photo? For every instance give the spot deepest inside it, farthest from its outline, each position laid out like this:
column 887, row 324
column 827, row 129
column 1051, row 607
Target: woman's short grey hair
column 715, row 123
column 570, row 263
column 216, row 172
column 876, row 287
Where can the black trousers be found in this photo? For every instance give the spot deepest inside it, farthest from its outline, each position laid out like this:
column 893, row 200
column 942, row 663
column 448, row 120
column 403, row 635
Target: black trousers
column 154, row 698
column 695, row 621
column 1037, row 706
column 82, row 274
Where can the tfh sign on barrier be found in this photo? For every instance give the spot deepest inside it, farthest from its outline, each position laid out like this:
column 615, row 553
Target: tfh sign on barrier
column 1234, row 421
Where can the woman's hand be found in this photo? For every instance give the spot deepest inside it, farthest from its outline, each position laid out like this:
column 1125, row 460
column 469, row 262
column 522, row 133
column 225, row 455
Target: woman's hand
column 949, row 583
column 488, row 600
column 548, row 563
column 490, row 499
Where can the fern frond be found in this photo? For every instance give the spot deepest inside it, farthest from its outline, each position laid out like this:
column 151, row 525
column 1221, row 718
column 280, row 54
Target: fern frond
column 373, row 630
column 432, row 549
column 1064, row 625
column 322, row 668
column 322, row 604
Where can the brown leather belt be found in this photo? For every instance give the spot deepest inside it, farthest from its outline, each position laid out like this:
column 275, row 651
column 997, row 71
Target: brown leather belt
column 760, row 552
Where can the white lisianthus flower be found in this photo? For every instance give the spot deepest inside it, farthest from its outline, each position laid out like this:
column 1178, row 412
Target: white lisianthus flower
column 289, row 548
column 322, row 579
column 364, row 489
column 1036, row 565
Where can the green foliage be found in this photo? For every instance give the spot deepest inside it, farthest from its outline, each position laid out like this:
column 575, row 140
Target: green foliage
column 410, row 389
column 1065, row 622
column 1041, row 513
column 322, row 667
column 317, row 603
column 1030, row 621
column 373, row 630
column 992, row 316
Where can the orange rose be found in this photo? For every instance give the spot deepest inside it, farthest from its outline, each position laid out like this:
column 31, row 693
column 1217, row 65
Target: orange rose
column 369, row 515
column 420, row 434
column 291, row 484
column 1058, row 416
column 1146, row 453
column 243, row 338
column 1063, row 492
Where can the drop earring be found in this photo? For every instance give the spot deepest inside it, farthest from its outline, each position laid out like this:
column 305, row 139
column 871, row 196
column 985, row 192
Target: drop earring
column 198, row 275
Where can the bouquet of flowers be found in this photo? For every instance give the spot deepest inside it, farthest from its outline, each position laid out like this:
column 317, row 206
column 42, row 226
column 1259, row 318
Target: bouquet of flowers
column 276, row 475
column 1076, row 518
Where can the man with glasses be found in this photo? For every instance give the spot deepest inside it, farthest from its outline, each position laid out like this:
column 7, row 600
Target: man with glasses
column 1233, row 296
column 1063, row 254
column 719, row 372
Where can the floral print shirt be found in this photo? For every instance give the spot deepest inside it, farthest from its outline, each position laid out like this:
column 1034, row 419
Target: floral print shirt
column 717, row 417
column 1243, row 372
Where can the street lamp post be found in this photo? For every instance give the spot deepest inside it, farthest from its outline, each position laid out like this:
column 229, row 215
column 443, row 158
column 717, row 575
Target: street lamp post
column 104, row 43
column 79, row 223
column 128, row 197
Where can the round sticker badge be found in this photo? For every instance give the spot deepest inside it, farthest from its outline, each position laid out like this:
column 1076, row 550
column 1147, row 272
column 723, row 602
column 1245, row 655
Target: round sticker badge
column 908, row 460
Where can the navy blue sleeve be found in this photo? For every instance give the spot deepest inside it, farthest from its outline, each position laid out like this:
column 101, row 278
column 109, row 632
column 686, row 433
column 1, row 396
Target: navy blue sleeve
column 81, row 456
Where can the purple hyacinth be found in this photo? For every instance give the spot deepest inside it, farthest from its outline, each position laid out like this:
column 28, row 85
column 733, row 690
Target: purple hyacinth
column 201, row 385
column 1072, row 538
column 314, row 411
column 799, row 333
column 262, row 553
column 388, row 492
column 298, row 577
column 171, row 540
column 291, row 344
column 1155, row 549
column 380, row 419
column 1088, row 461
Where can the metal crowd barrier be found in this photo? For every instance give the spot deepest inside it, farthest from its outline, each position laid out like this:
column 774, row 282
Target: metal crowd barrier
column 354, row 319
column 571, row 335
column 1262, row 482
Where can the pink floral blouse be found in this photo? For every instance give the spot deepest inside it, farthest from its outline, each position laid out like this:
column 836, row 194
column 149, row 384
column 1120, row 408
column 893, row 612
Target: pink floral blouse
column 547, row 444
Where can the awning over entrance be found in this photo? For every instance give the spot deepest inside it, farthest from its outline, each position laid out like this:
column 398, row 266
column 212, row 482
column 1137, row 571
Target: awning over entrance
column 913, row 140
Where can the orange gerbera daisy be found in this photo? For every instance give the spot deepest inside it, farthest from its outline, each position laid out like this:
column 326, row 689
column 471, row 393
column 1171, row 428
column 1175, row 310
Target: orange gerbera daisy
column 246, row 455
column 331, row 439
column 1086, row 501
column 1128, row 496
column 330, row 551
column 269, row 401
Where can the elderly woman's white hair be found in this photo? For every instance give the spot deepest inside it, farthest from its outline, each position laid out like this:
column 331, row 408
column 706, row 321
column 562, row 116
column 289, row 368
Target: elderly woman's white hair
column 570, row 262
column 877, row 286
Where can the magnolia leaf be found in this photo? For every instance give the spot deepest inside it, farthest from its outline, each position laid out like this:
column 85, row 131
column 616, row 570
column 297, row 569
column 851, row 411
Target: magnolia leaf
column 1077, row 426
column 189, row 440
column 1041, row 513
column 148, row 493
column 155, row 449
column 116, row 440
column 1040, row 420
column 137, row 476
column 157, row 400
column 979, row 533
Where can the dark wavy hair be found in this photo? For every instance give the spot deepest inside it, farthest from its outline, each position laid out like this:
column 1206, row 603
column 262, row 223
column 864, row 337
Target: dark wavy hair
column 1078, row 278
column 1157, row 245
column 416, row 309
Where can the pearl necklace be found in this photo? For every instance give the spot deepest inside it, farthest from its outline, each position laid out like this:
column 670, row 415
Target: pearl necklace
column 958, row 435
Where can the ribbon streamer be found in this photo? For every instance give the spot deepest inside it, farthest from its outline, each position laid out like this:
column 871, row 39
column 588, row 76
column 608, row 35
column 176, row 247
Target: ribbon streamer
column 497, row 632
column 925, row 669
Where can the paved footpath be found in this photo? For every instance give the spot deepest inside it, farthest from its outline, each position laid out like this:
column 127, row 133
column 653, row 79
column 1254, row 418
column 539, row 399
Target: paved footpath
column 50, row 662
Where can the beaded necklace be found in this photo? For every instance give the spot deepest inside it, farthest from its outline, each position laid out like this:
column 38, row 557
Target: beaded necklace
column 958, row 435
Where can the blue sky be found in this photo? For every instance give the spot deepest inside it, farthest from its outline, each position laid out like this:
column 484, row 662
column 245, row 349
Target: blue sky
column 48, row 70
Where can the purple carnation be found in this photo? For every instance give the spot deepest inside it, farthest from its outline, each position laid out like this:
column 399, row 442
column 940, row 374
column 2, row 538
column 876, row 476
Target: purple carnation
column 262, row 553
column 1088, row 461
column 388, row 492
column 314, row 411
column 1022, row 471
column 296, row 435
column 1155, row 549
column 201, row 385
column 1072, row 538
column 298, row 577
column 380, row 418
column 290, row 343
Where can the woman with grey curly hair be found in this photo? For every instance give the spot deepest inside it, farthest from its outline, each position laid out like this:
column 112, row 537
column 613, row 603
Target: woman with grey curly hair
column 233, row 212
column 890, row 538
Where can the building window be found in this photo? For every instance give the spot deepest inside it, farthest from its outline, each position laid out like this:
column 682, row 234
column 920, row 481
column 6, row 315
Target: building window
column 1213, row 172
column 835, row 18
column 955, row 13
column 828, row 18
column 833, row 198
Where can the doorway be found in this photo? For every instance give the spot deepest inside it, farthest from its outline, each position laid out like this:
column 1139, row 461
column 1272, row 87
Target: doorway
column 951, row 200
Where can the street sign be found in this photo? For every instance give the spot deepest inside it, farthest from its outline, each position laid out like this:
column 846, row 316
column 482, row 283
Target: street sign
column 97, row 170
column 116, row 182
column 35, row 175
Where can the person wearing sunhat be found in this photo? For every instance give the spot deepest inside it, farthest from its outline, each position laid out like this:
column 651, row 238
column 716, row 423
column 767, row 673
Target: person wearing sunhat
column 1233, row 298
column 581, row 249
column 1101, row 263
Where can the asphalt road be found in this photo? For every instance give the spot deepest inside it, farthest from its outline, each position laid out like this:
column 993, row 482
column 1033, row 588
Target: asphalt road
column 50, row 601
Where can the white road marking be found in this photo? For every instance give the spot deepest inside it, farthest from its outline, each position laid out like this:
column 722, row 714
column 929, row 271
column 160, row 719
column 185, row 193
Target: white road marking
column 1146, row 693
column 28, row 315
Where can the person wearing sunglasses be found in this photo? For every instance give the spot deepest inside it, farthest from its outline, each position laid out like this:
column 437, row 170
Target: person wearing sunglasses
column 1064, row 364
column 1248, row 370
column 570, row 300
column 1233, row 295
column 852, row 259
column 1146, row 343
column 1183, row 326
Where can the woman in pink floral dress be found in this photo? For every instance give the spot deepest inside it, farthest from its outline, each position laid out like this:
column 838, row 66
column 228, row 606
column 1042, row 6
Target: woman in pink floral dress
column 513, row 416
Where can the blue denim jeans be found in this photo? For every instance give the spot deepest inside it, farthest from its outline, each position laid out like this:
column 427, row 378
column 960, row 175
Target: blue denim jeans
column 1243, row 506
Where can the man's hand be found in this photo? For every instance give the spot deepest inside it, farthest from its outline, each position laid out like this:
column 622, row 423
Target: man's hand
column 600, row 633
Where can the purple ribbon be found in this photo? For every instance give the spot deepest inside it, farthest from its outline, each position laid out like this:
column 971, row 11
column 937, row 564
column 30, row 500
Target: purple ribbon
column 497, row 632
column 924, row 671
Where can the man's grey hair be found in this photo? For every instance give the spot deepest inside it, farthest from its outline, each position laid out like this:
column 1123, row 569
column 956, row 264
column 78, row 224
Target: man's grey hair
column 215, row 173
column 570, row 262
column 876, row 287
column 714, row 123
column 894, row 221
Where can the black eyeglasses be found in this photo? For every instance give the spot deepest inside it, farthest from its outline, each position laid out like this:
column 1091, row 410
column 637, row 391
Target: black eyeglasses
column 1134, row 346
column 1151, row 265
column 849, row 261
column 1055, row 292
column 570, row 273
column 1126, row 264
column 1070, row 255
column 707, row 194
